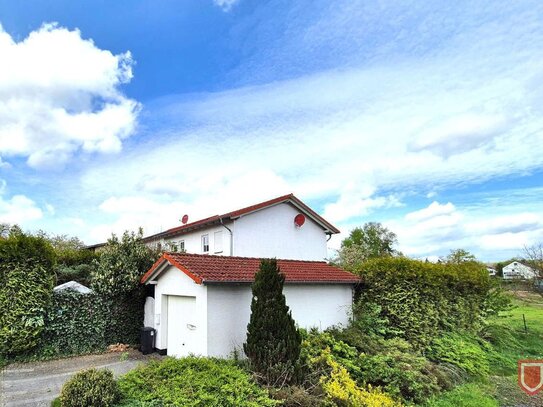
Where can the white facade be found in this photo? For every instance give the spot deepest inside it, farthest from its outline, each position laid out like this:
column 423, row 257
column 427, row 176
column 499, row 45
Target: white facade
column 218, row 322
column 268, row 232
column 191, row 242
column 271, row 232
column 518, row 270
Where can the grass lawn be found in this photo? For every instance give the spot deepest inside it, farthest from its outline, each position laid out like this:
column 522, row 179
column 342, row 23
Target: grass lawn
column 511, row 343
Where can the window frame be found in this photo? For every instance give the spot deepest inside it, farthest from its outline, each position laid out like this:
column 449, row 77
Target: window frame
column 205, row 239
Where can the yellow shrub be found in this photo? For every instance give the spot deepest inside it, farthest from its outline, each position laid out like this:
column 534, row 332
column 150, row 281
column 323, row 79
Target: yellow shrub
column 341, row 389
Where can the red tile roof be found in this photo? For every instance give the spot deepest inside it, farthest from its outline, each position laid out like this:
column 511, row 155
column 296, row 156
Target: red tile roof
column 228, row 269
column 217, row 219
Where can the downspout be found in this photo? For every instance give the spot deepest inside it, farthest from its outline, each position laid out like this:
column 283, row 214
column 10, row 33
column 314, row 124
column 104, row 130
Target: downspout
column 329, row 236
column 231, row 238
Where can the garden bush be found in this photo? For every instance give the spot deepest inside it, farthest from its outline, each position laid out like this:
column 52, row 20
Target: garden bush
column 26, row 284
column 393, row 365
column 341, row 390
column 78, row 323
column 297, row 396
column 193, row 381
column 90, row 387
column 420, row 300
column 465, row 351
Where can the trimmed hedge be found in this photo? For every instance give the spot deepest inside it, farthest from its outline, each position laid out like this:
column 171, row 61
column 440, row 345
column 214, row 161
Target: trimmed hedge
column 421, row 300
column 78, row 323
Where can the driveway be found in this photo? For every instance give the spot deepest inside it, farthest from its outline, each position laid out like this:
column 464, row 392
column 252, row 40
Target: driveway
column 37, row 384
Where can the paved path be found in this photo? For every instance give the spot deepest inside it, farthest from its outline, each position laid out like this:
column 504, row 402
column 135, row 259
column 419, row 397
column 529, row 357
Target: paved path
column 37, row 384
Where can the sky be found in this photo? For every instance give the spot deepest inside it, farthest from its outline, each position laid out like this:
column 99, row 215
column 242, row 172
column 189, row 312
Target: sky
column 424, row 116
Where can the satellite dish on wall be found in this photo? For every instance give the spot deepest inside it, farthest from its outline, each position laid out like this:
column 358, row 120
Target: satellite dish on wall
column 299, row 220
column 185, row 219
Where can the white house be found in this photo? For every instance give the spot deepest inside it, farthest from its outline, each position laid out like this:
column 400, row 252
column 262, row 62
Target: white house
column 517, row 270
column 202, row 302
column 283, row 227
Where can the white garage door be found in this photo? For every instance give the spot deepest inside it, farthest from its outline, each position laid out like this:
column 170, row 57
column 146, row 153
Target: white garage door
column 182, row 326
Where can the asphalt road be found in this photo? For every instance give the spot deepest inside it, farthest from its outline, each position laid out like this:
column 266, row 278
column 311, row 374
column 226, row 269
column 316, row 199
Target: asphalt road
column 37, row 384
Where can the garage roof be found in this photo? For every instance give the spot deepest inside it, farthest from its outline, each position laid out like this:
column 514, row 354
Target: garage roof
column 205, row 269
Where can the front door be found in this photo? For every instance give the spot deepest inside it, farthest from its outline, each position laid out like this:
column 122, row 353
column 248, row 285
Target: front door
column 181, row 326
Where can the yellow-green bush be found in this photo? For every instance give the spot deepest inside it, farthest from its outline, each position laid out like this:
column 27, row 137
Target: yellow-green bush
column 342, row 390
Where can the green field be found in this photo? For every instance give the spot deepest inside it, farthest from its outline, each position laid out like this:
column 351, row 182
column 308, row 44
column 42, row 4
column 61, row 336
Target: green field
column 511, row 342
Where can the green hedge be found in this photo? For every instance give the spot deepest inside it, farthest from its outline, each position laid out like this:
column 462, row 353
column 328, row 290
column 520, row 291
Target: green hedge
column 421, row 300
column 83, row 323
column 192, row 381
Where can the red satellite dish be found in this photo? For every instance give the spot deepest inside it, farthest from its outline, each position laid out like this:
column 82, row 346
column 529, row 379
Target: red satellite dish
column 299, row 220
column 185, row 219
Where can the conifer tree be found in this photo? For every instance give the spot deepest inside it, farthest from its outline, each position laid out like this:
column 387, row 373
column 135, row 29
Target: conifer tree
column 273, row 342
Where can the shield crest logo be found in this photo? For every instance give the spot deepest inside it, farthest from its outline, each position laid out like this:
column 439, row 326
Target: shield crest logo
column 530, row 376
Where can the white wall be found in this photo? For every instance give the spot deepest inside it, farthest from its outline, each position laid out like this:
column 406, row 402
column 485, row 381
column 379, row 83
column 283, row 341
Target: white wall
column 229, row 311
column 271, row 233
column 518, row 270
column 174, row 282
column 193, row 241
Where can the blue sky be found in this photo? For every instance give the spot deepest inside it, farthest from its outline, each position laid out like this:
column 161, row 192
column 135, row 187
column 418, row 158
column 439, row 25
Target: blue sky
column 425, row 116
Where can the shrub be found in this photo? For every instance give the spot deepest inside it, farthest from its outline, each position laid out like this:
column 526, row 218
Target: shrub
column 121, row 265
column 273, row 342
column 392, row 365
column 462, row 350
column 193, row 381
column 295, row 396
column 26, row 283
column 90, row 387
column 82, row 323
column 399, row 370
column 340, row 389
column 420, row 300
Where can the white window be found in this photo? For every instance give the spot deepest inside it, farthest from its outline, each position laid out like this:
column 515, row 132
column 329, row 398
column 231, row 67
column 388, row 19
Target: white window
column 217, row 238
column 205, row 243
column 181, row 246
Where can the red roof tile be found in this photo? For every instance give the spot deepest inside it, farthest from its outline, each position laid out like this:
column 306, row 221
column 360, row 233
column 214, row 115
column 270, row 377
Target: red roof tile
column 228, row 269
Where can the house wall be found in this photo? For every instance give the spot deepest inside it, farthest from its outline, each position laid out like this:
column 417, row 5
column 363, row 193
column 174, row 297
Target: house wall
column 271, row 233
column 193, row 241
column 312, row 305
column 174, row 282
column 517, row 270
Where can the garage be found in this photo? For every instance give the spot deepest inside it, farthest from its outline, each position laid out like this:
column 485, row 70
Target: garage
column 182, row 326
column 203, row 303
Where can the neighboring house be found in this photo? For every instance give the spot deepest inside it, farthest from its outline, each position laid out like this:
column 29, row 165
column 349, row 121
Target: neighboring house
column 517, row 270
column 491, row 271
column 74, row 286
column 283, row 227
column 202, row 303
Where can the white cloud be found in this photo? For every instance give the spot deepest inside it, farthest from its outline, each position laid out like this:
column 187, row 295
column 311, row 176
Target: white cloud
column 19, row 210
column 226, row 5
column 433, row 210
column 59, row 94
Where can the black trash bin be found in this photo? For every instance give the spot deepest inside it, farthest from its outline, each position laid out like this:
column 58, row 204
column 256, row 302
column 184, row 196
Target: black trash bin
column 147, row 340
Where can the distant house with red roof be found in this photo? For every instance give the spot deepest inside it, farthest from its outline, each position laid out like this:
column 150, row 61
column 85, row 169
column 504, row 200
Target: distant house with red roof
column 203, row 291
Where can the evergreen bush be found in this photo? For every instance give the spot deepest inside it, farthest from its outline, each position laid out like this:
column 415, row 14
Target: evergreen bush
column 192, row 381
column 273, row 342
column 26, row 284
column 421, row 300
column 96, row 388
